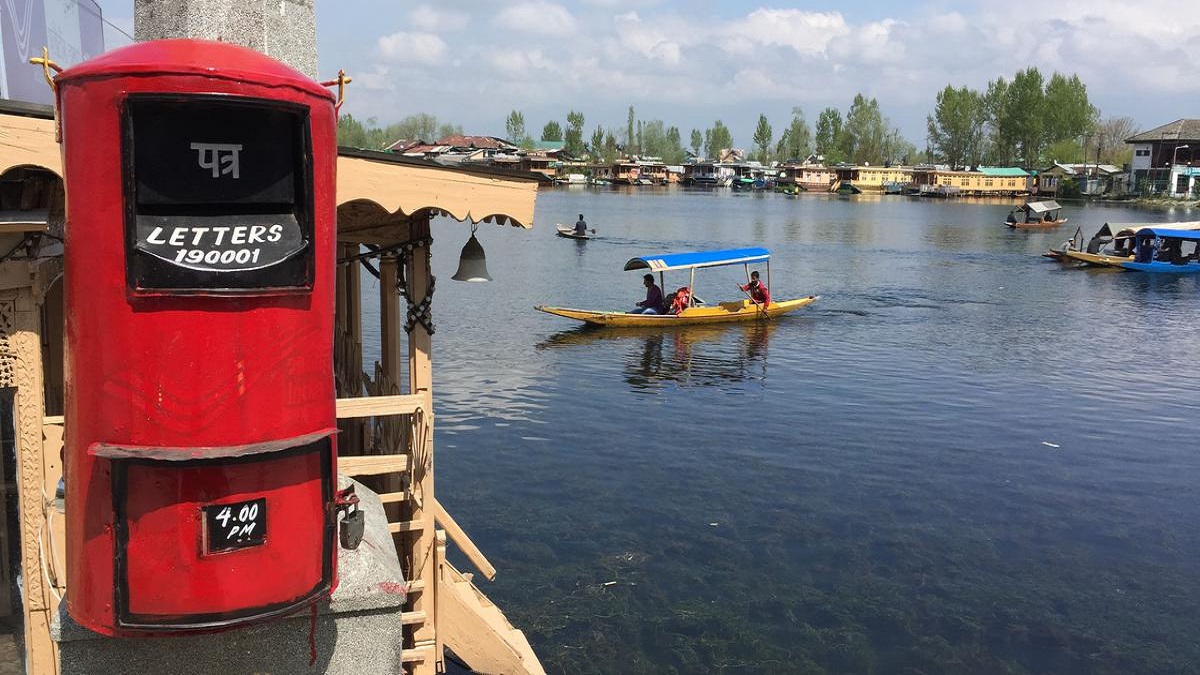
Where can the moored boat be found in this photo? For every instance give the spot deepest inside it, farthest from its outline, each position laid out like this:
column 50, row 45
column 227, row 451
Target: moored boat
column 695, row 311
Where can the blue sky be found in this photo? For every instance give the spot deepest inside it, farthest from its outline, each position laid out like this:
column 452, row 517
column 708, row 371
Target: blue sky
column 471, row 62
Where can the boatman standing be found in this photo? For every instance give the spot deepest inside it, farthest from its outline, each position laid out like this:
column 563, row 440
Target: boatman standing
column 580, row 226
column 757, row 290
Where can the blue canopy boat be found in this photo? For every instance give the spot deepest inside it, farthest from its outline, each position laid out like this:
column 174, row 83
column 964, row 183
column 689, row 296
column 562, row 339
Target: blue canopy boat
column 742, row 309
column 1162, row 250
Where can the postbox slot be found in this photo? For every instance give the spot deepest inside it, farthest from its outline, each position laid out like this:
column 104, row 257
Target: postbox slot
column 192, row 535
column 219, row 195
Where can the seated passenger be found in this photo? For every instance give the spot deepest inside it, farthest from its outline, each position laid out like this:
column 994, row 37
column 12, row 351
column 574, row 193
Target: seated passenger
column 680, row 300
column 654, row 298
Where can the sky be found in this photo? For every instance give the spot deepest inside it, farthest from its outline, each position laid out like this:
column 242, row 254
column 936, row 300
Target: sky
column 692, row 62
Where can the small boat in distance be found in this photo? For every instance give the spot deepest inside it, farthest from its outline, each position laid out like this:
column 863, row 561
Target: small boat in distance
column 1035, row 215
column 570, row 233
column 695, row 311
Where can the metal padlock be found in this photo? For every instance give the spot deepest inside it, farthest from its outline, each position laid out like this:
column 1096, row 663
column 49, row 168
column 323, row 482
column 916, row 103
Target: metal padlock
column 353, row 523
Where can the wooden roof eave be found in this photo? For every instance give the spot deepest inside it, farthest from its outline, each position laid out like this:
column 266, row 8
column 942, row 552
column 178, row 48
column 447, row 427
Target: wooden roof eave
column 374, row 191
column 400, row 187
column 28, row 142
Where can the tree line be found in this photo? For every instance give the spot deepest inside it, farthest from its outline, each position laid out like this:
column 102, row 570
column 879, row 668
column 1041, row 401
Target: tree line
column 1028, row 121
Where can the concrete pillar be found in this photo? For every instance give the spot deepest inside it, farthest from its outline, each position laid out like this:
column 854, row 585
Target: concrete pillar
column 282, row 29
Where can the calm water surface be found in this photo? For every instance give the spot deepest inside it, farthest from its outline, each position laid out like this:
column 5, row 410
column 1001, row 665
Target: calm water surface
column 963, row 459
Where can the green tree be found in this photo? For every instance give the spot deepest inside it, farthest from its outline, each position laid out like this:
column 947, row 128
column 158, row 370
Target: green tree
column 652, row 138
column 629, row 134
column 763, row 134
column 674, row 153
column 610, row 147
column 1066, row 151
column 897, row 149
column 796, row 140
column 697, row 142
column 574, row 135
column 597, row 141
column 641, row 142
column 828, row 135
column 352, row 133
column 446, row 130
column 514, row 127
column 421, row 126
column 716, row 139
column 1069, row 114
column 864, row 131
column 552, row 131
column 998, row 147
column 1024, row 116
column 956, row 126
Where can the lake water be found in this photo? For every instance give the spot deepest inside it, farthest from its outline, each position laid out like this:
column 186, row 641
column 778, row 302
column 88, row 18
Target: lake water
column 963, row 459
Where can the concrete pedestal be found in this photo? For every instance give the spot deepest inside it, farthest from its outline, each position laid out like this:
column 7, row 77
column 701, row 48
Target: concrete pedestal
column 357, row 631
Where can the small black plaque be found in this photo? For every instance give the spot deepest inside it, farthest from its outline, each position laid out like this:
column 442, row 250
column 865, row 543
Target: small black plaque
column 228, row 527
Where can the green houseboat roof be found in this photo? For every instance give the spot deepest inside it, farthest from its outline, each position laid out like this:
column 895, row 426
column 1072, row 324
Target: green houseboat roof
column 1004, row 171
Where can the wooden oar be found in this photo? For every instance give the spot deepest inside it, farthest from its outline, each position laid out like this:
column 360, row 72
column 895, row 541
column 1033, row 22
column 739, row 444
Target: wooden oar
column 755, row 303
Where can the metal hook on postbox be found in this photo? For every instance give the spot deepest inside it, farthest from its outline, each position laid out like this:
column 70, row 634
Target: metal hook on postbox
column 47, row 65
column 341, row 83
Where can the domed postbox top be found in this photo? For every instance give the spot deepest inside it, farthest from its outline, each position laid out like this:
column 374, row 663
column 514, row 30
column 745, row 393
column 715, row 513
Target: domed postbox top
column 204, row 58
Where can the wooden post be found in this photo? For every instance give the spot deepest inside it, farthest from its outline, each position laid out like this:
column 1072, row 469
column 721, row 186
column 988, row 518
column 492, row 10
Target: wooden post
column 21, row 343
column 422, row 543
column 389, row 319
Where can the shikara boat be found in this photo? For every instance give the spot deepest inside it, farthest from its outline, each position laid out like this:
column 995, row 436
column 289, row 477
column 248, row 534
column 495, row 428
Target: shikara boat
column 1035, row 215
column 569, row 232
column 1165, row 250
column 1113, row 243
column 697, row 312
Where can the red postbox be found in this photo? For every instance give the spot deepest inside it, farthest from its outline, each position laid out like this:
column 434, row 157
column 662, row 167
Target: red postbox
column 200, row 458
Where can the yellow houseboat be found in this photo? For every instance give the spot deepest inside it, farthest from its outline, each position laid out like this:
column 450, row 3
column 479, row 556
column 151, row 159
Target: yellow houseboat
column 693, row 311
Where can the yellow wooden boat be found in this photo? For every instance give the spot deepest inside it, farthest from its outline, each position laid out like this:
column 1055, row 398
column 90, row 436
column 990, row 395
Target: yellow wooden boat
column 696, row 312
column 738, row 310
column 1097, row 259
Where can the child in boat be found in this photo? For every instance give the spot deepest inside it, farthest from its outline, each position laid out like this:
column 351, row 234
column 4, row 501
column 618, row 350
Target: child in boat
column 654, row 297
column 757, row 290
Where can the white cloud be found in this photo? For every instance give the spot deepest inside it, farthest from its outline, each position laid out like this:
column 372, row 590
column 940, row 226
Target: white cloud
column 648, row 41
column 378, row 79
column 426, row 18
column 805, row 32
column 405, row 47
column 543, row 18
column 688, row 67
column 516, row 63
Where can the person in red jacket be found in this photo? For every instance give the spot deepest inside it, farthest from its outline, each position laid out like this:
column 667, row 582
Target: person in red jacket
column 757, row 290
